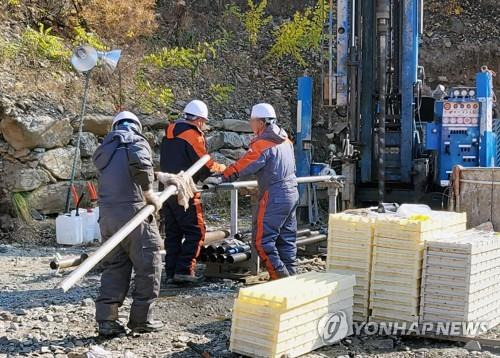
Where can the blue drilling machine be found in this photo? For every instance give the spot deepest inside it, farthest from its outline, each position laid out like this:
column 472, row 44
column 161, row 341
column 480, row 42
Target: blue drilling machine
column 397, row 145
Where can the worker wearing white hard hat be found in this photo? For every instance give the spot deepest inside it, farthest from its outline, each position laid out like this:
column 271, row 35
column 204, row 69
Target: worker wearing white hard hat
column 183, row 145
column 125, row 117
column 126, row 176
column 271, row 158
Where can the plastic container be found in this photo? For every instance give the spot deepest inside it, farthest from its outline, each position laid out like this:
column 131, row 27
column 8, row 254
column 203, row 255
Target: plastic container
column 69, row 230
column 91, row 230
column 316, row 168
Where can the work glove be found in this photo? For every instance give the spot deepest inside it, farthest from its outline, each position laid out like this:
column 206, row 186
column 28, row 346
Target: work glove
column 186, row 187
column 221, row 168
column 152, row 199
column 214, row 180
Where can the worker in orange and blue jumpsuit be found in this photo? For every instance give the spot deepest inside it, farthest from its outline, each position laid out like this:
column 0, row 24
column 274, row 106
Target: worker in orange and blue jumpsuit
column 183, row 145
column 271, row 158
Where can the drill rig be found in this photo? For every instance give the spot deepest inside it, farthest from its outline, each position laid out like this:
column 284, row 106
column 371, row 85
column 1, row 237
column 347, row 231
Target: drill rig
column 397, row 144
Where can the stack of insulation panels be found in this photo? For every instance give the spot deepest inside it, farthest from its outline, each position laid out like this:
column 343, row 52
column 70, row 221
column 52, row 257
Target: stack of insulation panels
column 350, row 240
column 397, row 262
column 281, row 318
column 460, row 279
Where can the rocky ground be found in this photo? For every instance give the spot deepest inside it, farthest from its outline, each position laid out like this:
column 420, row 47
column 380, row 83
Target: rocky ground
column 38, row 320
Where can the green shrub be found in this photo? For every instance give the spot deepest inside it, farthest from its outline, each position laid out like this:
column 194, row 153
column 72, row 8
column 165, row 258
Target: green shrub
column 181, row 57
column 152, row 96
column 8, row 49
column 221, row 93
column 21, row 207
column 253, row 20
column 300, row 35
column 42, row 43
column 83, row 37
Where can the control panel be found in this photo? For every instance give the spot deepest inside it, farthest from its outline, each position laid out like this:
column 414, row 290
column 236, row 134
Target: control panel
column 455, row 135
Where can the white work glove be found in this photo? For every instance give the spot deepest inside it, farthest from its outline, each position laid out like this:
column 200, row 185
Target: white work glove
column 152, row 199
column 167, row 178
column 186, row 187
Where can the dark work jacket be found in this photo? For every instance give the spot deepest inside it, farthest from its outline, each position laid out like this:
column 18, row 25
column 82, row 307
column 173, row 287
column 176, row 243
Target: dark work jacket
column 181, row 147
column 125, row 168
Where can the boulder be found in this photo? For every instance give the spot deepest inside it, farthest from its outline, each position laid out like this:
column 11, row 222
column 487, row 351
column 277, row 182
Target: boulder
column 154, row 122
column 59, row 162
column 246, row 139
column 151, row 138
column 89, row 171
column 220, row 158
column 88, row 144
column 232, row 140
column 18, row 178
column 51, row 198
column 33, row 131
column 233, row 153
column 99, row 124
column 236, row 125
column 215, row 142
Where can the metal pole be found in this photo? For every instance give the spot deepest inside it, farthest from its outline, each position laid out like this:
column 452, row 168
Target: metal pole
column 121, row 234
column 77, row 150
column 332, row 200
column 383, row 11
column 253, row 183
column 234, row 211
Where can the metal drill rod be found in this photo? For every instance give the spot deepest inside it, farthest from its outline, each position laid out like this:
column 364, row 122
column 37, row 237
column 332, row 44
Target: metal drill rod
column 383, row 14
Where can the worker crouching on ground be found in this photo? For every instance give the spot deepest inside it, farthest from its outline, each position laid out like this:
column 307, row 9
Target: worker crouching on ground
column 271, row 158
column 125, row 183
column 182, row 146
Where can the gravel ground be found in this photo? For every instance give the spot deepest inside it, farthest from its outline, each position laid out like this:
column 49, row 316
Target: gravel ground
column 37, row 320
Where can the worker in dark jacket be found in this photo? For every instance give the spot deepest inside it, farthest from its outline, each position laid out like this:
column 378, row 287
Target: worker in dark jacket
column 125, row 184
column 182, row 146
column 271, row 158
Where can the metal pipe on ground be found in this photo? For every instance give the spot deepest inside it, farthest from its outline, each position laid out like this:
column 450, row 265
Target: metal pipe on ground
column 221, row 258
column 240, row 257
column 303, row 232
column 214, row 236
column 68, row 262
column 121, row 234
column 311, row 240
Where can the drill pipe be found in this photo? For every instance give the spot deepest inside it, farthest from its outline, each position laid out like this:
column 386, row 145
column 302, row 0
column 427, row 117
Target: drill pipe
column 68, row 262
column 239, row 257
column 311, row 240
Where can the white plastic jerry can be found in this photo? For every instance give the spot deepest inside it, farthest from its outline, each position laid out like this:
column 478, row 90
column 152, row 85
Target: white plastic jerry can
column 69, row 230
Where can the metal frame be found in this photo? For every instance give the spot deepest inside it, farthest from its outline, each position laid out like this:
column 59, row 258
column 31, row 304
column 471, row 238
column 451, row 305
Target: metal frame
column 332, row 183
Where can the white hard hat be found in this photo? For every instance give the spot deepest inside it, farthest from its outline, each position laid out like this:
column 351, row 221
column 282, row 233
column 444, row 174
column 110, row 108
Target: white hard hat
column 126, row 115
column 263, row 110
column 196, row 108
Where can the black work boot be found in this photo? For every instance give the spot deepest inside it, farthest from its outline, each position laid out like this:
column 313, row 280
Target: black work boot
column 145, row 327
column 180, row 278
column 110, row 328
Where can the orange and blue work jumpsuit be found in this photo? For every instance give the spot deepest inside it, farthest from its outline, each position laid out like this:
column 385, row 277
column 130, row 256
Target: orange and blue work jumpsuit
column 181, row 147
column 271, row 158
